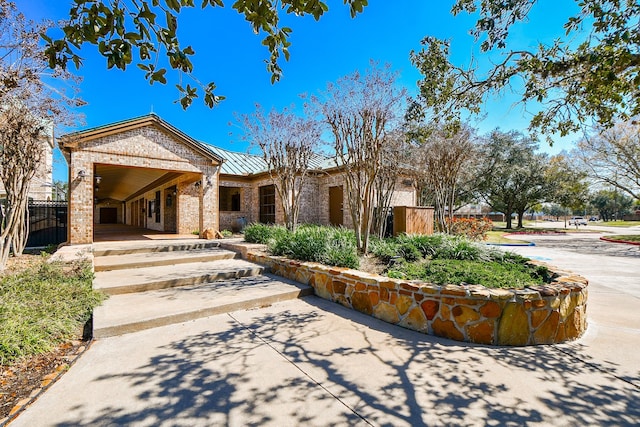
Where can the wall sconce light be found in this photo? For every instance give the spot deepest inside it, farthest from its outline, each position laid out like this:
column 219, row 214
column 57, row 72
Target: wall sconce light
column 98, row 179
column 209, row 183
column 197, row 184
column 82, row 173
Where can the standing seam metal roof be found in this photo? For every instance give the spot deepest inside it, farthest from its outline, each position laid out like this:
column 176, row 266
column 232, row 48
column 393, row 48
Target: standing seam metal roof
column 247, row 164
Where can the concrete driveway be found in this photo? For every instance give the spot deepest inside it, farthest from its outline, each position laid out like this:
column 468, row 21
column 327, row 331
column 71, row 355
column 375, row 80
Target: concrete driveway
column 311, row 362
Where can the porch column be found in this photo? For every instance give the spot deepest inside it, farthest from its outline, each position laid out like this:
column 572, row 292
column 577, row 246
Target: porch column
column 209, row 200
column 80, row 211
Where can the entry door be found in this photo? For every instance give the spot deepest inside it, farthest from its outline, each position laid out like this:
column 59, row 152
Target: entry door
column 141, row 215
column 335, row 205
column 170, row 211
column 108, row 215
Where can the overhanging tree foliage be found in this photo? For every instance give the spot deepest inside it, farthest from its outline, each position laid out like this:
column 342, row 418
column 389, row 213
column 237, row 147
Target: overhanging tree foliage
column 145, row 32
column 591, row 73
column 288, row 144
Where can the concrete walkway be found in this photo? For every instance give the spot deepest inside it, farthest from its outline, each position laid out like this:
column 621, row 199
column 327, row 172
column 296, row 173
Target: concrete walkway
column 312, row 362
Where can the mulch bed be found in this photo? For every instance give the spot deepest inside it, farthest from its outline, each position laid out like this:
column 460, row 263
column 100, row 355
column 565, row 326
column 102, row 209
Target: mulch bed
column 22, row 381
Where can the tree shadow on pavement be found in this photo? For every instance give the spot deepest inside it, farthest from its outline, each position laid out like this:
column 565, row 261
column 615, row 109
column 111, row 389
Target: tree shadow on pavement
column 308, row 366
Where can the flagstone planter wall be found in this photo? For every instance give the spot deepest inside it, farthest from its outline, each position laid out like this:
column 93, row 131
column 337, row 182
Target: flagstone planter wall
column 546, row 314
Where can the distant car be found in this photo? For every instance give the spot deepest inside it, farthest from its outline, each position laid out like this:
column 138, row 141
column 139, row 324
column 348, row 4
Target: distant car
column 593, row 218
column 577, row 220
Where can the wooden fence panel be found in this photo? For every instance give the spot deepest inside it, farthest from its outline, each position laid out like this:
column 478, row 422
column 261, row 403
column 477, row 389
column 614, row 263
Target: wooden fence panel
column 412, row 220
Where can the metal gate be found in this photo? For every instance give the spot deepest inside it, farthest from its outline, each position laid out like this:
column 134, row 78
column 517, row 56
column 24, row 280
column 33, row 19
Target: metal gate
column 47, row 223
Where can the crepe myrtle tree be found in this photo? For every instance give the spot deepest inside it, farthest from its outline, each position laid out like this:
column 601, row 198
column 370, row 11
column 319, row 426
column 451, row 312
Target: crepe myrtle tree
column 146, row 33
column 29, row 108
column 443, row 159
column 288, row 145
column 360, row 110
column 612, row 156
column 396, row 166
column 589, row 74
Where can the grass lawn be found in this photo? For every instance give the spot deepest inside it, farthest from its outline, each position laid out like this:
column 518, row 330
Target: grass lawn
column 42, row 306
column 497, row 237
column 626, row 238
column 619, row 223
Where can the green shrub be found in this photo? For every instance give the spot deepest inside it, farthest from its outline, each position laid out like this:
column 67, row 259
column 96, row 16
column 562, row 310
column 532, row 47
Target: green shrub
column 226, row 233
column 409, row 252
column 341, row 252
column 385, row 249
column 460, row 248
column 262, row 233
column 327, row 245
column 44, row 306
column 426, row 244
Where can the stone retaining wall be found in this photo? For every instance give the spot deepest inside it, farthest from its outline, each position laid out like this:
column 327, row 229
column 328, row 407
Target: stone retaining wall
column 545, row 314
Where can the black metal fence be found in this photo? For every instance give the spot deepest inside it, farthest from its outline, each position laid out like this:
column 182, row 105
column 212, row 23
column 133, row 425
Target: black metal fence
column 47, row 223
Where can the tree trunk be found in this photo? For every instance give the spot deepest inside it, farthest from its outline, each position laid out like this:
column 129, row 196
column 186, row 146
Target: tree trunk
column 508, row 219
column 520, row 217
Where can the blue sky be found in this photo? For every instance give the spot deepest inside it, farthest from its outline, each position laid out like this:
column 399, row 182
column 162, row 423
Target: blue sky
column 228, row 53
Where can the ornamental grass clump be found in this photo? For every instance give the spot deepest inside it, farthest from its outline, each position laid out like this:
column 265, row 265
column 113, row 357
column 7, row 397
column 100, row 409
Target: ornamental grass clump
column 446, row 259
column 262, row 233
column 327, row 245
column 44, row 306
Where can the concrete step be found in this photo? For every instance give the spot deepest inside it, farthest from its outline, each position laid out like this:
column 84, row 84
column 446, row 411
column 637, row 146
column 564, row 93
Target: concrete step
column 136, row 247
column 152, row 259
column 115, row 282
column 122, row 314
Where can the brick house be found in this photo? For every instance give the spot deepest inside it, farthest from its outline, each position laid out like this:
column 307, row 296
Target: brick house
column 146, row 173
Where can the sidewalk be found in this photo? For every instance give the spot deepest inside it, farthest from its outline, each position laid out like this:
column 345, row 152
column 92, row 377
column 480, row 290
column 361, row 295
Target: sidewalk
column 312, row 362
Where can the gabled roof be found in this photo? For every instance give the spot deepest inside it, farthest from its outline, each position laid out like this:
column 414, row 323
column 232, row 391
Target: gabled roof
column 72, row 140
column 233, row 163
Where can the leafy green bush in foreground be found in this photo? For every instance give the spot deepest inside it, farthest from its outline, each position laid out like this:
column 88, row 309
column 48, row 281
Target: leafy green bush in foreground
column 327, row 245
column 43, row 306
column 437, row 258
column 262, row 233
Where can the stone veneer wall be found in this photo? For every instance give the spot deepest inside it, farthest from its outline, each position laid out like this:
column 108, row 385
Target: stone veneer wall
column 545, row 314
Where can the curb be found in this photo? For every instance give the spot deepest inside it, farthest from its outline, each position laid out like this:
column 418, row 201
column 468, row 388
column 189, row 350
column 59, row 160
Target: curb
column 627, row 242
column 511, row 244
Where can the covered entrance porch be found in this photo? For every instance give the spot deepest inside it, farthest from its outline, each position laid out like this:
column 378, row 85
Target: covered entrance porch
column 142, row 173
column 122, row 232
